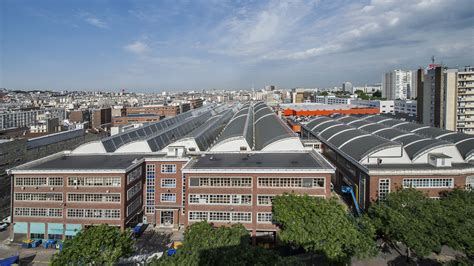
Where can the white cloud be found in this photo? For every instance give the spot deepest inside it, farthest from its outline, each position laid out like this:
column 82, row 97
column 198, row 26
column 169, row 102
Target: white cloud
column 138, row 47
column 93, row 20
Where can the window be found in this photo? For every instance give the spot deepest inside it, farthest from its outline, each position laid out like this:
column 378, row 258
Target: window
column 134, row 175
column 93, row 197
column 470, row 183
column 38, row 196
column 264, row 217
column 55, row 181
column 168, row 182
column 318, row 182
column 220, row 199
column 168, row 168
column 134, row 190
column 150, row 189
column 220, row 182
column 198, row 216
column 384, row 188
column 31, row 181
column 265, row 200
column 428, row 182
column 168, row 197
column 94, row 181
column 94, row 213
column 38, row 212
column 136, row 204
column 219, row 216
column 241, row 217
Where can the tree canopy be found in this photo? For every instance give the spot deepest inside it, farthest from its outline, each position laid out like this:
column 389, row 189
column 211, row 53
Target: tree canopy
column 102, row 245
column 207, row 245
column 408, row 216
column 323, row 226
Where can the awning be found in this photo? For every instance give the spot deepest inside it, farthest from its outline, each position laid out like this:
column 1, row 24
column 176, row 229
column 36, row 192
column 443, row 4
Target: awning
column 72, row 229
column 55, row 229
column 37, row 228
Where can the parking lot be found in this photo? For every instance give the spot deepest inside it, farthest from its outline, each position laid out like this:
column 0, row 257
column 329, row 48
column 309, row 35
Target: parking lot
column 151, row 241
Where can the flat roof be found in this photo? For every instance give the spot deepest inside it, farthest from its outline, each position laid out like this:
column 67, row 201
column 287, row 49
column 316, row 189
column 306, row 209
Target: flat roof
column 287, row 160
column 86, row 162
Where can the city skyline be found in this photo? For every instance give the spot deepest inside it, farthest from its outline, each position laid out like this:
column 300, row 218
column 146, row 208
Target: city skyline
column 190, row 45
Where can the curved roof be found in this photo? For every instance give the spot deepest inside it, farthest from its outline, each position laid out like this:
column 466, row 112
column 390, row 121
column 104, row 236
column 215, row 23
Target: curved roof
column 354, row 142
column 316, row 121
column 241, row 125
column 409, row 126
column 347, row 119
column 207, row 132
column 268, row 129
column 359, row 123
column 393, row 122
column 364, row 146
column 114, row 142
column 372, row 127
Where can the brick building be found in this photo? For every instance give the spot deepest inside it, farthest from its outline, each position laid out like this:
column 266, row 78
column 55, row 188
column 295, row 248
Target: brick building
column 376, row 155
column 135, row 119
column 159, row 110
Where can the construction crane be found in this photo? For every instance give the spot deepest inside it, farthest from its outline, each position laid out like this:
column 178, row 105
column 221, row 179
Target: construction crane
column 349, row 190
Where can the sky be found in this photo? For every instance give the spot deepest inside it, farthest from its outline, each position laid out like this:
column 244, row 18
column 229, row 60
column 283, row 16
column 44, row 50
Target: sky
column 219, row 44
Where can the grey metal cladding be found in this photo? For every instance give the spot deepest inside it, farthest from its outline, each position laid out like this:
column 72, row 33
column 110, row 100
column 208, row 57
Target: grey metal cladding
column 417, row 148
column 234, row 128
column 341, row 138
column 405, row 140
column 389, row 133
column 333, row 130
column 454, row 138
column 323, row 125
column 432, row 132
column 53, row 138
column 270, row 129
column 347, row 119
column 466, row 147
column 408, row 127
column 363, row 146
column 360, row 123
column 376, row 118
column 392, row 122
column 316, row 121
column 373, row 127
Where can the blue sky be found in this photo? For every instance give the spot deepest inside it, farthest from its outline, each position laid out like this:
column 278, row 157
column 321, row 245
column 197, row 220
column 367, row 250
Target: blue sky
column 184, row 45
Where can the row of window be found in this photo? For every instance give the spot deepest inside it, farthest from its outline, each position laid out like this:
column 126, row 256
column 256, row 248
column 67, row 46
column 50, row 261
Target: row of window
column 38, row 212
column 134, row 190
column 168, row 197
column 243, row 217
column 150, row 189
column 318, row 182
column 94, row 181
column 291, row 182
column 38, row 181
column 136, row 204
column 93, row 213
column 220, row 182
column 428, row 182
column 134, row 175
column 220, row 199
column 38, row 196
column 91, row 197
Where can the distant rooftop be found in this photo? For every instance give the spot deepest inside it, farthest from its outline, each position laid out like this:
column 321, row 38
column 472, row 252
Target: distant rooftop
column 86, row 162
column 287, row 161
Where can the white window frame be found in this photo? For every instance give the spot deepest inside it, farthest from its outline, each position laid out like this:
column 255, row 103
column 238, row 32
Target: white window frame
column 163, row 180
column 383, row 192
column 165, row 166
column 162, row 195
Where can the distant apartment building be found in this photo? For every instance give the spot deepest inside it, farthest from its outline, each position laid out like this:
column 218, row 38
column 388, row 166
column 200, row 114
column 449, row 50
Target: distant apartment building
column 368, row 89
column 385, row 106
column 332, row 100
column 26, row 118
column 135, row 119
column 397, row 84
column 347, row 86
column 465, row 97
column 160, row 110
column 48, row 125
column 444, row 98
column 101, row 118
column 407, row 107
column 196, row 103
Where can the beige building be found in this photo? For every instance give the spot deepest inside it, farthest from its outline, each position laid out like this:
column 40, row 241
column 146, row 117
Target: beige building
column 465, row 97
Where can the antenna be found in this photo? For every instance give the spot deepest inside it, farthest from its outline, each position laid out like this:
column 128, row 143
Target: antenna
column 432, row 59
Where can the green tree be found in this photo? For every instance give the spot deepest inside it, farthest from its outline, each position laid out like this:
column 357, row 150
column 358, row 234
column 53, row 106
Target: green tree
column 456, row 220
column 323, row 226
column 408, row 216
column 323, row 93
column 377, row 94
column 102, row 245
column 207, row 245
